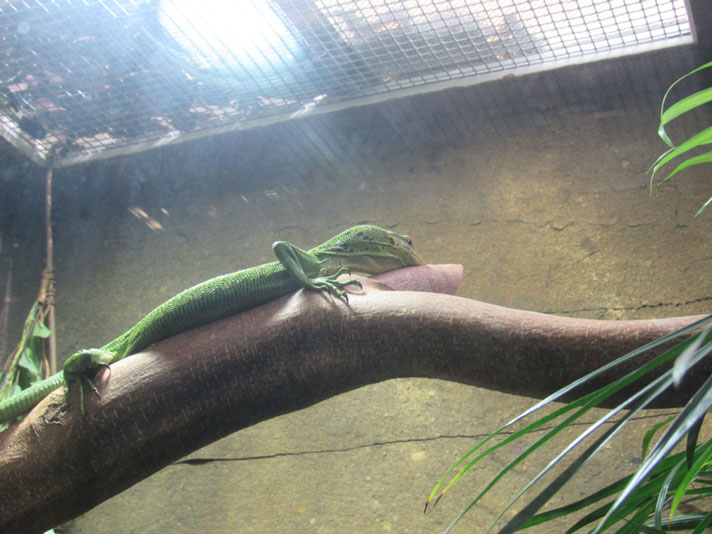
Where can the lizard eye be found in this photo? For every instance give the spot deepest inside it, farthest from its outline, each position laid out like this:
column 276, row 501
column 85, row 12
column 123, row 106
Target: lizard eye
column 392, row 240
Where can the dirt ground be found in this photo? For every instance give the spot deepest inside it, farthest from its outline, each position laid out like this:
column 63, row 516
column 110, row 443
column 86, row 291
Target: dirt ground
column 536, row 185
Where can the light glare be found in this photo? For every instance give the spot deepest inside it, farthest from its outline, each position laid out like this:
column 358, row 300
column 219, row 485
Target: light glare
column 222, row 33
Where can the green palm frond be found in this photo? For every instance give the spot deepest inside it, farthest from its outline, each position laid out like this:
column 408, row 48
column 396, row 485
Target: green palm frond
column 687, row 104
column 636, row 502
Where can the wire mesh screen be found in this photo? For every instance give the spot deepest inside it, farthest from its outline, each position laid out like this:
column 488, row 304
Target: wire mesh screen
column 86, row 79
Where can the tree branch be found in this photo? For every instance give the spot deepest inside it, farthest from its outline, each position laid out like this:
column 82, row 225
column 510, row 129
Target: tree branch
column 194, row 388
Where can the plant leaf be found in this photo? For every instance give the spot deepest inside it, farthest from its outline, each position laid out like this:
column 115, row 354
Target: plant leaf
column 645, row 491
column 691, row 445
column 663, row 494
column 695, row 408
column 689, row 162
column 640, row 399
column 700, row 138
column 583, row 404
column 588, row 401
column 701, row 458
column 686, row 104
column 40, row 330
column 682, row 362
column 29, row 362
column 703, row 206
column 661, row 130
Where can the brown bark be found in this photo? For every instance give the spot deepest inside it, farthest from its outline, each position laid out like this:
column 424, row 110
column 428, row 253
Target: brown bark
column 194, row 388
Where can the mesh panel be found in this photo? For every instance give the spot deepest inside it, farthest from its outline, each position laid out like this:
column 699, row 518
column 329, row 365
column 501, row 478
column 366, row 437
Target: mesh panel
column 84, row 79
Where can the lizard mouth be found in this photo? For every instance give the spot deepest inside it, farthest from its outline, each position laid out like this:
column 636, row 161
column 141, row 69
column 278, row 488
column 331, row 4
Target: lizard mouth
column 417, row 258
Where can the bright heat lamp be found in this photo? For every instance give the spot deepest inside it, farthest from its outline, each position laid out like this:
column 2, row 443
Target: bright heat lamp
column 242, row 34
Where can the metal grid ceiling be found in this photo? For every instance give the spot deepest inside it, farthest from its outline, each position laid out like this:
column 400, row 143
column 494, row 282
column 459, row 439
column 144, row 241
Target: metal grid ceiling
column 87, row 79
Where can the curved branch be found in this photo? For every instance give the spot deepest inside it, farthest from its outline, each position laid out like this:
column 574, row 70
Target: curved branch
column 197, row 387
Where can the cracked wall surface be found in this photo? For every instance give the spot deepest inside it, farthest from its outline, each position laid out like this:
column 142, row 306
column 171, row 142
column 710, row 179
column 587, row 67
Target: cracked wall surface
column 537, row 186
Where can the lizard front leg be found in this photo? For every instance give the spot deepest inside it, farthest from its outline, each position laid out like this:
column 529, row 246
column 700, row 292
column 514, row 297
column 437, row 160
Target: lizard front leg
column 83, row 365
column 299, row 263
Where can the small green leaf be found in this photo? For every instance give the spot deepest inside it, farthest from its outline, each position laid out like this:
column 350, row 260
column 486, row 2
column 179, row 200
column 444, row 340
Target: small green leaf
column 30, row 362
column 691, row 445
column 701, row 138
column 689, row 162
column 661, row 130
column 40, row 330
column 686, row 104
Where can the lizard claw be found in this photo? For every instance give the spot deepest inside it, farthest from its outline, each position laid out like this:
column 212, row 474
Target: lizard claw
column 81, row 381
column 334, row 286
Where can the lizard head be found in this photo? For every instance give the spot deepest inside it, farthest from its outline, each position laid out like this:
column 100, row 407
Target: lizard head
column 368, row 249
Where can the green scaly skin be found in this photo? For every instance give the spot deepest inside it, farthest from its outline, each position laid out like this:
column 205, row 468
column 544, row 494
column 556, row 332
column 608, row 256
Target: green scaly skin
column 366, row 249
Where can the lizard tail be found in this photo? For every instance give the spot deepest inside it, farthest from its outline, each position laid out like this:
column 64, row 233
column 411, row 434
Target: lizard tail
column 27, row 399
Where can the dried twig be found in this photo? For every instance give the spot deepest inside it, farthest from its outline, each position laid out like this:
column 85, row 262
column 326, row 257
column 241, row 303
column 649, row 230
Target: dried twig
column 48, row 276
column 5, row 311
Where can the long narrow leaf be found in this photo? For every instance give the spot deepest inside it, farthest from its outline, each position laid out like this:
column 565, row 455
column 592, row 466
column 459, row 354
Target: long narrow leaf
column 682, row 363
column 538, row 443
column 695, row 408
column 661, row 130
column 529, row 428
column 700, row 138
column 639, row 401
column 587, row 401
column 582, row 405
column 645, row 491
column 635, row 524
column 703, row 207
column 688, row 103
column 700, row 459
column 691, row 444
column 655, row 388
column 703, row 524
column 683, row 522
column 663, row 494
column 689, row 162
column 638, row 512
column 663, row 467
column 644, row 496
